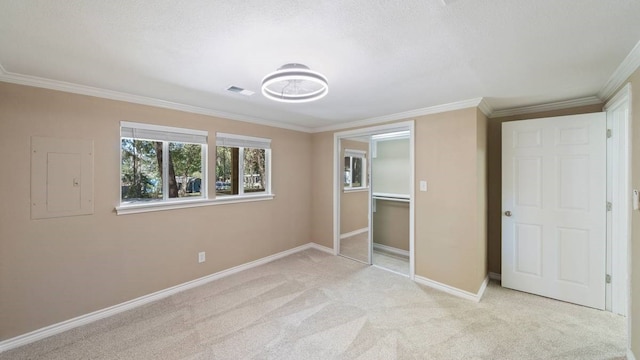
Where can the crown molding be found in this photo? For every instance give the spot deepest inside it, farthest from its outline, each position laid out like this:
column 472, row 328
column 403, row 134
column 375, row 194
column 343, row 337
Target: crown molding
column 624, row 94
column 559, row 105
column 402, row 115
column 485, row 107
column 64, row 86
column 622, row 73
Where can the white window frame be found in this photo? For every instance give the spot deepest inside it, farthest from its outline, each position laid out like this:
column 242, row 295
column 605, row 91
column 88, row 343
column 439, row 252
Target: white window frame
column 166, row 134
column 241, row 142
column 361, row 155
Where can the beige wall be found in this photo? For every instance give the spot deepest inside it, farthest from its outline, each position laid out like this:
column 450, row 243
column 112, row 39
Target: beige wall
column 354, row 205
column 322, row 173
column 391, row 224
column 494, row 149
column 448, row 246
column 635, row 216
column 55, row 269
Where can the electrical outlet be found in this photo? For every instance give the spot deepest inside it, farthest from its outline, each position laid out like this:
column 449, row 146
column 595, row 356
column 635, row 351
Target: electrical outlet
column 201, row 257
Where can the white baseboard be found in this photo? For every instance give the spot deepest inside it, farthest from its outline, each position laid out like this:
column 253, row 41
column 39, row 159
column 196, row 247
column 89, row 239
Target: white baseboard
column 128, row 305
column 495, row 276
column 452, row 290
column 630, row 355
column 322, row 248
column 354, row 232
column 391, row 250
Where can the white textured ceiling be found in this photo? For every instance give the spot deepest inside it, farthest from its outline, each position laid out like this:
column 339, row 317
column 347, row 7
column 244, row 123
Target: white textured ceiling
column 381, row 57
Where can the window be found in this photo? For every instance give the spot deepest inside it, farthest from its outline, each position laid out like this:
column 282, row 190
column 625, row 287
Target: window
column 160, row 163
column 355, row 169
column 242, row 165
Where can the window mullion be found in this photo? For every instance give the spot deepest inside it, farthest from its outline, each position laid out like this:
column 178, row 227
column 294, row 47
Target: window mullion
column 165, row 170
column 240, row 170
column 204, row 177
column 365, row 176
column 267, row 181
column 353, row 171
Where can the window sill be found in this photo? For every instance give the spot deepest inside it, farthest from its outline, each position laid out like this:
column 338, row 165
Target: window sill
column 358, row 189
column 161, row 206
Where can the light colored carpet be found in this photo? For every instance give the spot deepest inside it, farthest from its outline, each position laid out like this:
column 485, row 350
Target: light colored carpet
column 312, row 305
column 356, row 247
column 397, row 263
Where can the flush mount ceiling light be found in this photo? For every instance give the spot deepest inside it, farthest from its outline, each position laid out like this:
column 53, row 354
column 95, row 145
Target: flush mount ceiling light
column 294, row 83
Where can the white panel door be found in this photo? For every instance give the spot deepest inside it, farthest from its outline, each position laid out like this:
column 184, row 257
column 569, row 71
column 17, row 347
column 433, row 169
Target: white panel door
column 554, row 207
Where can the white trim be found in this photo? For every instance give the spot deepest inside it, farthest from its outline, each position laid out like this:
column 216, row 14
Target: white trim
column 185, row 204
column 355, row 153
column 483, row 288
column 389, row 270
column 630, row 355
column 68, row 87
column 495, row 276
column 412, row 202
column 624, row 94
column 391, row 250
column 162, row 128
column 370, row 204
column 618, row 193
column 630, row 244
column 452, row 290
column 398, row 135
column 559, row 105
column 372, row 130
column 354, row 233
column 622, row 73
column 485, row 107
column 322, row 248
column 386, row 196
column 234, row 140
column 145, row 299
column 355, row 189
column 402, row 115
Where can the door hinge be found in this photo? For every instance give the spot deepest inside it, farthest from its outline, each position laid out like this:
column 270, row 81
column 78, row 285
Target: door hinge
column 609, row 133
column 607, row 279
column 609, row 206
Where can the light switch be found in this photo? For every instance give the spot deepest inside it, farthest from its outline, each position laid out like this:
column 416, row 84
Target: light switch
column 636, row 199
column 423, row 185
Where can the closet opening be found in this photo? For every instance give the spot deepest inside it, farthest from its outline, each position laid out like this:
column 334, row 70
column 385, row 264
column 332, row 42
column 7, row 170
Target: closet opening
column 374, row 196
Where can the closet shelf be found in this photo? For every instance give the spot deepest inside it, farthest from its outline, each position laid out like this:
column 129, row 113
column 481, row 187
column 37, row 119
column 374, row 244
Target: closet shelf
column 392, row 197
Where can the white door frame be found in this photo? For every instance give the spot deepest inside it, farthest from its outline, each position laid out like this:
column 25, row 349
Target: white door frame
column 337, row 182
column 618, row 193
column 621, row 198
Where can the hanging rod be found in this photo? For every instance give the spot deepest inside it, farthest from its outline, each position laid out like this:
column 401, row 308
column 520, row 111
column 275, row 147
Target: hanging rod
column 392, row 197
